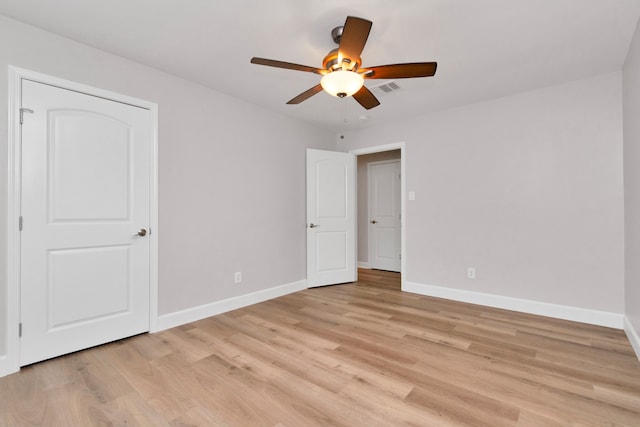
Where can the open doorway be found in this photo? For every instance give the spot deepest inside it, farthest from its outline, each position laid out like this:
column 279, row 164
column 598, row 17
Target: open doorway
column 379, row 211
column 381, row 241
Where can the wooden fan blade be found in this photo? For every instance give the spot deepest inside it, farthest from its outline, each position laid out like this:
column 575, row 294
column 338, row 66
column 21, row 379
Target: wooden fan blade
column 365, row 98
column 286, row 65
column 354, row 36
column 306, row 95
column 400, row 71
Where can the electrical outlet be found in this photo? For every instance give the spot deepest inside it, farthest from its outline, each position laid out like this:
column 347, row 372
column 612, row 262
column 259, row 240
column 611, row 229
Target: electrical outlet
column 471, row 273
column 237, row 277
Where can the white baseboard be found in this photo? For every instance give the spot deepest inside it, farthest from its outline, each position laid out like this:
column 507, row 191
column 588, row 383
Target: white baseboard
column 364, row 264
column 189, row 315
column 576, row 314
column 633, row 336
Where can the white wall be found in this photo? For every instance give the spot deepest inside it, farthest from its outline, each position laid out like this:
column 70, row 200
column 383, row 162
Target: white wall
column 527, row 189
column 631, row 84
column 363, row 199
column 231, row 175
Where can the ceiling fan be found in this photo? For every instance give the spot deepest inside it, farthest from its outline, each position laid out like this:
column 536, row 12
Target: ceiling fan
column 341, row 72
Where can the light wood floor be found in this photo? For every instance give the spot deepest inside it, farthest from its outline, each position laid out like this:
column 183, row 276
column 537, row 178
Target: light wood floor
column 362, row 354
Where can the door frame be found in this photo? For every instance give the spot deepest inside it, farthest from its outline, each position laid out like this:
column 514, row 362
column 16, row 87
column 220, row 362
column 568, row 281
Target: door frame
column 16, row 75
column 370, row 242
column 403, row 224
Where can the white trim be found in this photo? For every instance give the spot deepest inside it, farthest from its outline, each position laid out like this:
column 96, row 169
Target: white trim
column 377, row 148
column 403, row 200
column 364, row 264
column 632, row 335
column 189, row 315
column 576, row 314
column 14, row 175
column 13, row 200
column 35, row 76
column 4, row 368
column 154, row 227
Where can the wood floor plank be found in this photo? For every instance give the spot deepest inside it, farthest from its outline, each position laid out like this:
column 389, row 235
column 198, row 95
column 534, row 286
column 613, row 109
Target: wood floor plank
column 360, row 354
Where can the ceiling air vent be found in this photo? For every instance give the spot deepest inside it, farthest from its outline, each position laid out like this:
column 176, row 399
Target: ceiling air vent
column 387, row 88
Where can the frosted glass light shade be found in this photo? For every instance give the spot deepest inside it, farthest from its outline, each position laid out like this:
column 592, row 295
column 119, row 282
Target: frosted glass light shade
column 342, row 83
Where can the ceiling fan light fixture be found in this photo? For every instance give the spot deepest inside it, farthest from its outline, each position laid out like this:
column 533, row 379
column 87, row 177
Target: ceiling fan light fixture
column 341, row 83
column 341, row 71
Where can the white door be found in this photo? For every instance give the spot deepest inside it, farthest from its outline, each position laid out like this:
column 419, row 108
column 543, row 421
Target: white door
column 85, row 195
column 331, row 218
column 384, row 215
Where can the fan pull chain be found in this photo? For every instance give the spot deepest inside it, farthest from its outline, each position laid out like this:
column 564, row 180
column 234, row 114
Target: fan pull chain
column 344, row 110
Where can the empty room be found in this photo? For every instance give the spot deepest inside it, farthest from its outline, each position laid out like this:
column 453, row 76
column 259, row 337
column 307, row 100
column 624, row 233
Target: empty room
column 337, row 213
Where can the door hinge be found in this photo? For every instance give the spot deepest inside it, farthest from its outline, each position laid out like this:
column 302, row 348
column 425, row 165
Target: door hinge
column 19, row 330
column 22, row 111
column 20, row 223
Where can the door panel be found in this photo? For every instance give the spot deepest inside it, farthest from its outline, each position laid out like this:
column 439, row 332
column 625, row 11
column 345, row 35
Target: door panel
column 86, row 148
column 384, row 238
column 384, row 226
column 107, row 269
column 331, row 248
column 86, row 192
column 331, row 189
column 331, row 251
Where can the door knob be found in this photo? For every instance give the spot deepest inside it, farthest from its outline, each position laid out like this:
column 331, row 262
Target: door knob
column 142, row 232
column 312, row 225
column 373, row 221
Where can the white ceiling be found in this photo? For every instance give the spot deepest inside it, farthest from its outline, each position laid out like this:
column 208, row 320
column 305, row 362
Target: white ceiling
column 484, row 48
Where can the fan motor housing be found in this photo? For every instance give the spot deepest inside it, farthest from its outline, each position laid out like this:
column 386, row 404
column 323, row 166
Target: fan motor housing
column 336, row 34
column 330, row 62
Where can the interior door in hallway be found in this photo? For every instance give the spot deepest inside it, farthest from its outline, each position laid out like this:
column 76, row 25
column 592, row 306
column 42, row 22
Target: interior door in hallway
column 85, row 254
column 331, row 217
column 384, row 215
